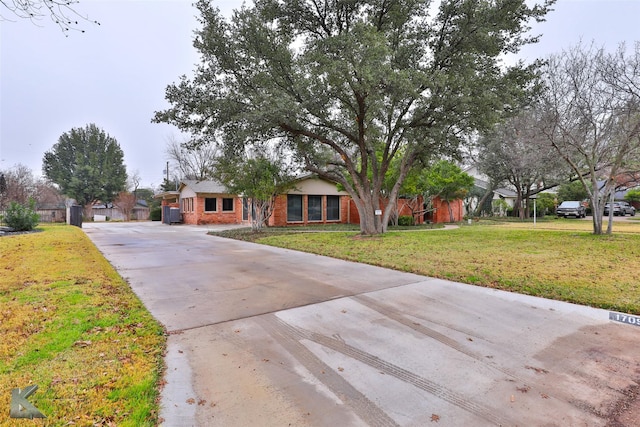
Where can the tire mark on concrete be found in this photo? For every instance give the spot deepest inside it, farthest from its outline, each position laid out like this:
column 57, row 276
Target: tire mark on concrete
column 289, row 338
column 449, row 342
column 402, row 374
column 590, row 380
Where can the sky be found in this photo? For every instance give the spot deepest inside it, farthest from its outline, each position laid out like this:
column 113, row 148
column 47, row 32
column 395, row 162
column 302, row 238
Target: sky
column 115, row 74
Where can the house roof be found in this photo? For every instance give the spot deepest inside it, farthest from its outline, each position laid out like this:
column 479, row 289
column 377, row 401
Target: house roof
column 504, row 192
column 167, row 195
column 204, row 186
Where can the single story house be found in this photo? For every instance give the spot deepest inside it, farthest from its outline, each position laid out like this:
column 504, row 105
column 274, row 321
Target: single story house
column 201, row 202
column 313, row 200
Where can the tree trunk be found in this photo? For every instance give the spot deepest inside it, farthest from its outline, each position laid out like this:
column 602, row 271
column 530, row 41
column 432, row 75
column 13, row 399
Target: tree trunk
column 488, row 192
column 366, row 212
column 611, row 200
column 87, row 211
column 450, row 211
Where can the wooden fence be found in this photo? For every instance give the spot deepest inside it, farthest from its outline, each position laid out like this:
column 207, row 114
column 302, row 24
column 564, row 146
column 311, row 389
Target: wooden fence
column 60, row 215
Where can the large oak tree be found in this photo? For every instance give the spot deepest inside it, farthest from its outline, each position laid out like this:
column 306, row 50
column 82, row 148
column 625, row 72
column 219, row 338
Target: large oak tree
column 351, row 85
column 87, row 164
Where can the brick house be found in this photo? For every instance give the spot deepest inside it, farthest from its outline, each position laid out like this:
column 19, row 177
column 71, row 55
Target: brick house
column 313, row 200
column 208, row 202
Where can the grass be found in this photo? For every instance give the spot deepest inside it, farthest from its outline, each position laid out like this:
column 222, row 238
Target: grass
column 70, row 324
column 558, row 259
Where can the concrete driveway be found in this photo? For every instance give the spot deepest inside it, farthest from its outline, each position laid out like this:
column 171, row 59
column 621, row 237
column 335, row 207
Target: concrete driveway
column 261, row 336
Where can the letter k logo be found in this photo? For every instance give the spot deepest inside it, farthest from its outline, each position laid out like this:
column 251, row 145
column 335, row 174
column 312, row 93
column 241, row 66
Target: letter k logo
column 20, row 406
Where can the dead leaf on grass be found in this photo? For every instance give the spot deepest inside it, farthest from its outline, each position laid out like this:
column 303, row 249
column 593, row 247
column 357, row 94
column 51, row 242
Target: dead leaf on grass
column 85, row 343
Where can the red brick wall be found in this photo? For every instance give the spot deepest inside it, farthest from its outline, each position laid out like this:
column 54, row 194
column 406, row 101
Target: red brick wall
column 279, row 216
column 403, row 209
column 440, row 215
column 200, row 217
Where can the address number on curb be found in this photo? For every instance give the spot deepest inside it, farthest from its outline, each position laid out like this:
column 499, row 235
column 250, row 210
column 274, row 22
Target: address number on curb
column 624, row 318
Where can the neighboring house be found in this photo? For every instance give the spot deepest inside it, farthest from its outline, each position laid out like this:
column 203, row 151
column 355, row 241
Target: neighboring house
column 482, row 183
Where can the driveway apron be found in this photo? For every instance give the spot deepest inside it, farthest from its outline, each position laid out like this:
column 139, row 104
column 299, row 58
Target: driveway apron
column 261, row 336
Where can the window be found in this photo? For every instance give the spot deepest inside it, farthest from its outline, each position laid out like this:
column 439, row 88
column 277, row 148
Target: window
column 294, row 207
column 314, row 208
column 227, row 205
column 245, row 209
column 210, row 204
column 333, row 208
column 187, row 204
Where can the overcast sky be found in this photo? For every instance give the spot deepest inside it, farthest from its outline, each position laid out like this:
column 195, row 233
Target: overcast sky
column 115, row 74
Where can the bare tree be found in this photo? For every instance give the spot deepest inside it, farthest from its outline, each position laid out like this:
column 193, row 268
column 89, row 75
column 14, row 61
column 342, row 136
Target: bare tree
column 193, row 160
column 61, row 12
column 514, row 153
column 592, row 117
column 126, row 202
column 20, row 186
column 47, row 194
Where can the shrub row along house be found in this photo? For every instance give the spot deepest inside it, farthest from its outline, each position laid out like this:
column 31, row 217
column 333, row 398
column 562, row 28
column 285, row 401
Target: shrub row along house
column 313, row 200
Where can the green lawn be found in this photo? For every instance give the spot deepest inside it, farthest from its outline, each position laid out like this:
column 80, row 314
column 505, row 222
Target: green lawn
column 71, row 325
column 558, row 259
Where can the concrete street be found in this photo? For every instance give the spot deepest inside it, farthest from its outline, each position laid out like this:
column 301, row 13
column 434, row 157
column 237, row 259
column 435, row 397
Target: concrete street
column 260, row 336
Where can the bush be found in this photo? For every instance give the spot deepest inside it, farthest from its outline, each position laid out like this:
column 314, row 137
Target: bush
column 632, row 195
column 22, row 218
column 499, row 207
column 545, row 204
column 405, row 220
column 155, row 214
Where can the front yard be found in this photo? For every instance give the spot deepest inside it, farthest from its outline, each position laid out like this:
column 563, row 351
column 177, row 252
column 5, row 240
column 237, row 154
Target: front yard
column 71, row 325
column 558, row 259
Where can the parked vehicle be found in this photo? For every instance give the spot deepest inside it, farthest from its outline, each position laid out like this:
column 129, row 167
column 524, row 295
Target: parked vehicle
column 571, row 208
column 620, row 208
